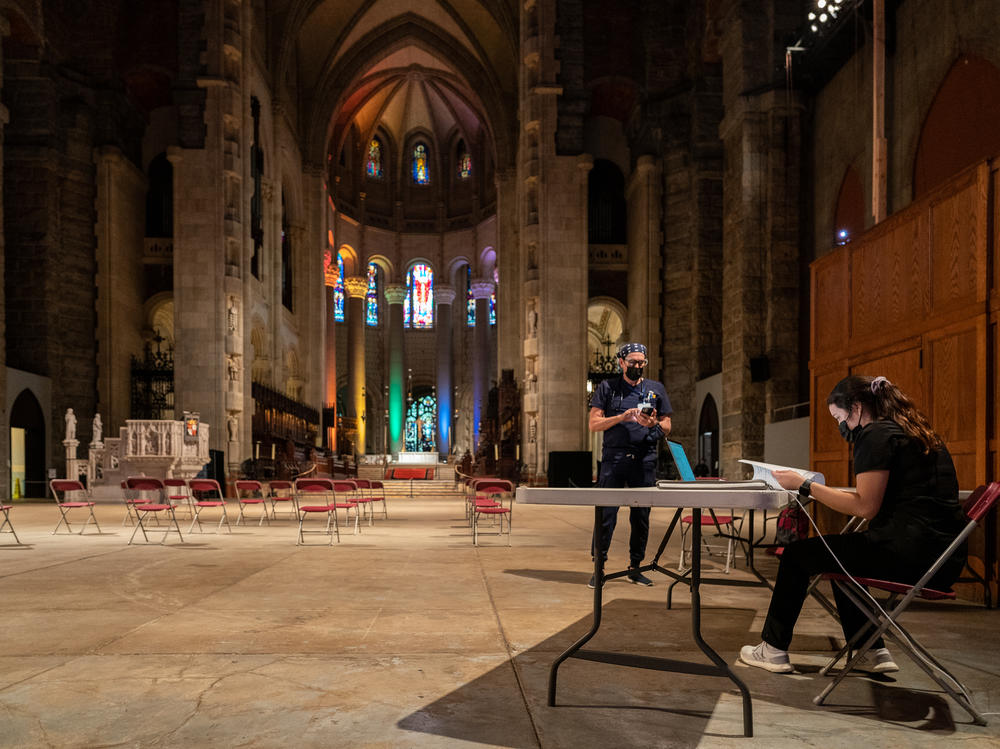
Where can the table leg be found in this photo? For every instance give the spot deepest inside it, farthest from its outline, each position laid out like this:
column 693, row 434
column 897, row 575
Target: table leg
column 696, row 631
column 598, row 603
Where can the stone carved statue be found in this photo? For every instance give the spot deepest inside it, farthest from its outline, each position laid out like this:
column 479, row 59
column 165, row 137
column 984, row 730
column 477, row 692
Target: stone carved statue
column 233, row 366
column 532, row 429
column 532, row 322
column 233, row 425
column 98, row 429
column 70, row 424
column 232, row 315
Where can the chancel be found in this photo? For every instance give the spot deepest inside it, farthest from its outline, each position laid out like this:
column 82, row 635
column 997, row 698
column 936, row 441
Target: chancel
column 398, row 245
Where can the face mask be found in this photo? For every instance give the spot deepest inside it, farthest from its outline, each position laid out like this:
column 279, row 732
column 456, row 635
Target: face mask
column 633, row 373
column 849, row 435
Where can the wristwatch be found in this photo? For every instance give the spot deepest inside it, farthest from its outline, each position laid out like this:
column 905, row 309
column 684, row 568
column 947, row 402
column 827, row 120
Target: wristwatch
column 805, row 488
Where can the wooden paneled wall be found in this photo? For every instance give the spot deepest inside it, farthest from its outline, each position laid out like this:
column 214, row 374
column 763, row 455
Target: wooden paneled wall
column 916, row 299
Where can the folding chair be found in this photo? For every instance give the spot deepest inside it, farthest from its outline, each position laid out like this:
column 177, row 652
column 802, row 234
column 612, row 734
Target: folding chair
column 348, row 501
column 131, row 498
column 377, row 492
column 320, row 489
column 148, row 501
column 484, row 493
column 179, row 495
column 250, row 493
column 364, row 498
column 885, row 615
column 706, row 520
column 282, row 493
column 72, row 495
column 489, row 503
column 5, row 510
column 207, row 494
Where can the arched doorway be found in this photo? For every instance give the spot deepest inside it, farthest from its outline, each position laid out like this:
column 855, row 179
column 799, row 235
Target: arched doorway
column 708, row 436
column 27, row 446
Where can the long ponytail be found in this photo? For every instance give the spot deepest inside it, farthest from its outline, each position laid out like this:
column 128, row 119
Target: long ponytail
column 886, row 401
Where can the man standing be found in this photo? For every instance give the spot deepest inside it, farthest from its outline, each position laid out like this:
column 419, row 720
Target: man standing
column 634, row 414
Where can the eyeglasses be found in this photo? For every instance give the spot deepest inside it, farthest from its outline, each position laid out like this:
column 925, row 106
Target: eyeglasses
column 636, row 363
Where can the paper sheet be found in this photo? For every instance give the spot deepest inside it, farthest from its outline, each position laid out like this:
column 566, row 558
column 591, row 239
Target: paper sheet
column 762, row 472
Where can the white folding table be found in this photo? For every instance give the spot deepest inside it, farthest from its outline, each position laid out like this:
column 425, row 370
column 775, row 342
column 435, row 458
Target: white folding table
column 747, row 495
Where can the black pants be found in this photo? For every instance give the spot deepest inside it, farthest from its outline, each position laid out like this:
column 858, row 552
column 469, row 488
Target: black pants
column 861, row 556
column 620, row 469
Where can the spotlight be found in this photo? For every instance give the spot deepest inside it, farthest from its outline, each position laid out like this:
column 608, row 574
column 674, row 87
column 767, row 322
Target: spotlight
column 821, row 4
column 812, row 16
column 843, row 237
column 823, row 17
column 814, row 27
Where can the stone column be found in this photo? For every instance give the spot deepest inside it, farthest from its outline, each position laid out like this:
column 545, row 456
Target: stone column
column 482, row 289
column 356, row 287
column 5, row 488
column 444, row 296
column 331, row 276
column 394, row 295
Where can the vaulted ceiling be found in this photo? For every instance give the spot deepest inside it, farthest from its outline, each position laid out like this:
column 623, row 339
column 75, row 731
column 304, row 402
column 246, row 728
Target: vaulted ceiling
column 435, row 65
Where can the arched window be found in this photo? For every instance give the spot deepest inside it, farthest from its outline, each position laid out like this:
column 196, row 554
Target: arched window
column 493, row 296
column 464, row 161
column 421, row 169
column 470, row 303
column 373, row 165
column 421, row 424
column 338, row 291
column 371, row 297
column 418, row 306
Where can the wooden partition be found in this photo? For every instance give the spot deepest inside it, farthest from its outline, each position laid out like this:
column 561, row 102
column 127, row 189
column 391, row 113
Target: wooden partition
column 915, row 299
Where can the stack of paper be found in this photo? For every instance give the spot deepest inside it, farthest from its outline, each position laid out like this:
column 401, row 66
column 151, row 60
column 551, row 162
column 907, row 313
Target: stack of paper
column 763, row 472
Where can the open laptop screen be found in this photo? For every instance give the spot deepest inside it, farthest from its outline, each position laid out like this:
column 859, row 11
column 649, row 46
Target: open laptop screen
column 681, row 461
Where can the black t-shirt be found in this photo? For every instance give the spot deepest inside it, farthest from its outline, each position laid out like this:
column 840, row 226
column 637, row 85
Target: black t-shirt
column 920, row 507
column 615, row 396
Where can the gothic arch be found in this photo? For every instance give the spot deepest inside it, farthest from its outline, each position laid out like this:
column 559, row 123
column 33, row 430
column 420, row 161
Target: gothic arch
column 962, row 125
column 352, row 264
column 483, row 93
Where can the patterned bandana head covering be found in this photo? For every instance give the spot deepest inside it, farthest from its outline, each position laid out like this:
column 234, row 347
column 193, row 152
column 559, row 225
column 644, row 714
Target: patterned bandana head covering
column 631, row 348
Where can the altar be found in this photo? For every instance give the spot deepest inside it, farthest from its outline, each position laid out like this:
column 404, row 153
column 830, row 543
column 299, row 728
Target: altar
column 417, row 459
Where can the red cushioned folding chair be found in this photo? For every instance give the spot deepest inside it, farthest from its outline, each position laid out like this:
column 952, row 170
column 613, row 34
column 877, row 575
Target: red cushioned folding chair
column 363, row 497
column 490, row 496
column 5, row 511
column 72, row 495
column 282, row 494
column 131, row 498
column 179, row 495
column 885, row 614
column 316, row 497
column 251, row 494
column 709, row 519
column 376, row 490
column 208, row 495
column 485, row 493
column 149, row 502
column 346, row 494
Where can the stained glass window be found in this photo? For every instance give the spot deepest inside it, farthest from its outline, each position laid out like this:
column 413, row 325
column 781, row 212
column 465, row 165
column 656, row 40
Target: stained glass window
column 464, row 161
column 421, row 170
column 493, row 308
column 406, row 299
column 373, row 166
column 421, row 424
column 371, row 297
column 338, row 291
column 470, row 302
column 418, row 306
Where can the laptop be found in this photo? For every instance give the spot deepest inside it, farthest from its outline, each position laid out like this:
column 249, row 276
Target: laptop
column 681, row 461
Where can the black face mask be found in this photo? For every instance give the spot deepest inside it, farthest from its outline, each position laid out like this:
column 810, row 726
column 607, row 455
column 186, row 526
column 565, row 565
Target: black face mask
column 849, row 435
column 633, row 373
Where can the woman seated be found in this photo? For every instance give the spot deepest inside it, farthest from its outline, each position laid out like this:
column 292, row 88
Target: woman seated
column 906, row 489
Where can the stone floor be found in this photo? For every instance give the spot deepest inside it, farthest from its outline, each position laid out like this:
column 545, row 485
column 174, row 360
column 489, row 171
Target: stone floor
column 408, row 636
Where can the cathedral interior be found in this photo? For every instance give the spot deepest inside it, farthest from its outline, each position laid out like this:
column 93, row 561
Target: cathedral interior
column 336, row 228
column 343, row 232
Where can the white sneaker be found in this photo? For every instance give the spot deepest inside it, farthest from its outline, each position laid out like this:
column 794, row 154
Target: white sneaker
column 766, row 657
column 876, row 662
